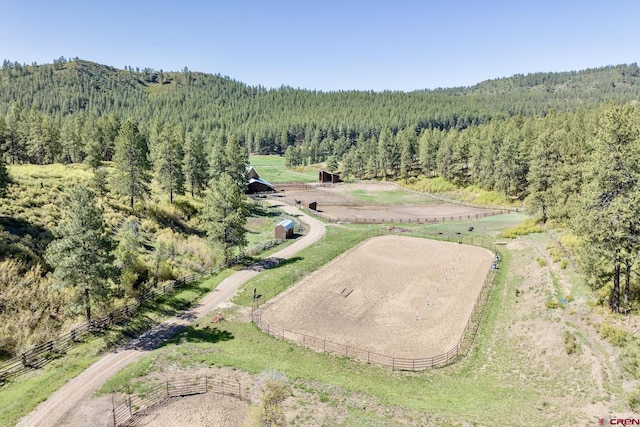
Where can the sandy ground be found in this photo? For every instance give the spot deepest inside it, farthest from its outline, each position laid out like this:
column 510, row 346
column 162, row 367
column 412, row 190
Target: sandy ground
column 72, row 404
column 397, row 296
column 203, row 410
column 336, row 203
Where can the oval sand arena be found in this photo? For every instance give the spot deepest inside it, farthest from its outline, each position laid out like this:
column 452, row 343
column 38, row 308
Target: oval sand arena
column 404, row 297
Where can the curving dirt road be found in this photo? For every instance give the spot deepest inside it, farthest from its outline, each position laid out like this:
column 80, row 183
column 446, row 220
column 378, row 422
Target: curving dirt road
column 64, row 407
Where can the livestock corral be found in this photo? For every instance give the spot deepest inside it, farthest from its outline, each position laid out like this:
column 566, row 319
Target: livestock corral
column 376, row 202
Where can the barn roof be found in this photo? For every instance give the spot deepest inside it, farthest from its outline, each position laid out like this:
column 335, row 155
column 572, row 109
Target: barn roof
column 261, row 181
column 286, row 224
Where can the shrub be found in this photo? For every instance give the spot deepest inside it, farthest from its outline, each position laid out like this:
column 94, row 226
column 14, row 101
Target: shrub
column 528, row 226
column 634, row 400
column 570, row 343
column 270, row 390
column 614, row 335
column 541, row 262
column 429, row 185
column 552, row 304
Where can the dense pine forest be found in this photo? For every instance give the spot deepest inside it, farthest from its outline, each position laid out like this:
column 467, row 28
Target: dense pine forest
column 565, row 145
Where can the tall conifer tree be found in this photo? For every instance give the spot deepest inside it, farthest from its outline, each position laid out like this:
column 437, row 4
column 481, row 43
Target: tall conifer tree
column 132, row 162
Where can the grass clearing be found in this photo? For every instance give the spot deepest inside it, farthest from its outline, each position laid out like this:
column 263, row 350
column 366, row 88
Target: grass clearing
column 274, row 170
column 391, row 197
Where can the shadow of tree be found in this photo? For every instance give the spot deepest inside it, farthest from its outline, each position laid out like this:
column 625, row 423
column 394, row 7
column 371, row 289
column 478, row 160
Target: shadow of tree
column 207, row 334
column 263, row 211
column 17, row 242
column 271, row 262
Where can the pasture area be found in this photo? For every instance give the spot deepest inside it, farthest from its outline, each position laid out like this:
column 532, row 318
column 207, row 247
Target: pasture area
column 371, row 201
column 398, row 296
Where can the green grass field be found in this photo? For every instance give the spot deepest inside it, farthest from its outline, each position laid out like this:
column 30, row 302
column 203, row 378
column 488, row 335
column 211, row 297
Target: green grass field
column 273, row 170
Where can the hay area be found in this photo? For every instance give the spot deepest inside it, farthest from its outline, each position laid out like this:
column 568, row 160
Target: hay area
column 398, row 296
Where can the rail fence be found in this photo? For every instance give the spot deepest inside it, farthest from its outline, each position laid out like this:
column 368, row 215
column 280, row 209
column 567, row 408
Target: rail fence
column 461, row 349
column 38, row 356
column 357, row 220
column 425, row 220
column 133, row 408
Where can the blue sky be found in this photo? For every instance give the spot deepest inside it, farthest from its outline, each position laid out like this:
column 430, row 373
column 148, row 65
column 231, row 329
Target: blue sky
column 326, row 44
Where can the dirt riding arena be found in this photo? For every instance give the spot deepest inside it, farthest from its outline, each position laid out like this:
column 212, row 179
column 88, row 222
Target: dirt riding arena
column 338, row 202
column 397, row 296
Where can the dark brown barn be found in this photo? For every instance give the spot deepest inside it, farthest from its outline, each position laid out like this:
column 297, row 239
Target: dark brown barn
column 324, row 176
column 257, row 184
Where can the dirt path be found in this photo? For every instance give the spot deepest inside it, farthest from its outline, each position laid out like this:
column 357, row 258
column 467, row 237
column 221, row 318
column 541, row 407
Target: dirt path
column 65, row 406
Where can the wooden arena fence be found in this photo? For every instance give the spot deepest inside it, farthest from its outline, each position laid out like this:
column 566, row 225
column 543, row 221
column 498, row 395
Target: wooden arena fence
column 461, row 349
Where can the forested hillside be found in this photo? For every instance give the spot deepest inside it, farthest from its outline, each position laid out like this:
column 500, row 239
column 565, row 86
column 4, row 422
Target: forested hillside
column 564, row 144
column 269, row 120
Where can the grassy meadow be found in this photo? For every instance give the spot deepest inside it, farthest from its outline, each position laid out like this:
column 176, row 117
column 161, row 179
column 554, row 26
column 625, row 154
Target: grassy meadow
column 273, row 169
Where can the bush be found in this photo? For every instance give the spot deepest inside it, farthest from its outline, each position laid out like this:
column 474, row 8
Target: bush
column 614, row 335
column 570, row 343
column 634, row 400
column 553, row 304
column 270, row 391
column 528, row 226
column 429, row 185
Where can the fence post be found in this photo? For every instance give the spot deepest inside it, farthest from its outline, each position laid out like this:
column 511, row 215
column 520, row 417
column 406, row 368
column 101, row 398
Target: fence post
column 113, row 411
column 130, row 408
column 167, row 382
column 239, row 390
column 206, row 384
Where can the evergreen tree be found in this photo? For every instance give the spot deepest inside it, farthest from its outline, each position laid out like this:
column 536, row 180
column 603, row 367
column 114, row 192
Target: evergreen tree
column 71, row 138
column 14, row 142
column 168, row 161
column 386, row 152
column 81, row 254
column 217, row 159
column 225, row 214
column 132, row 162
column 5, row 179
column 609, row 218
column 406, row 141
column 237, row 161
column 195, row 163
column 543, row 172
column 127, row 258
column 332, row 163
